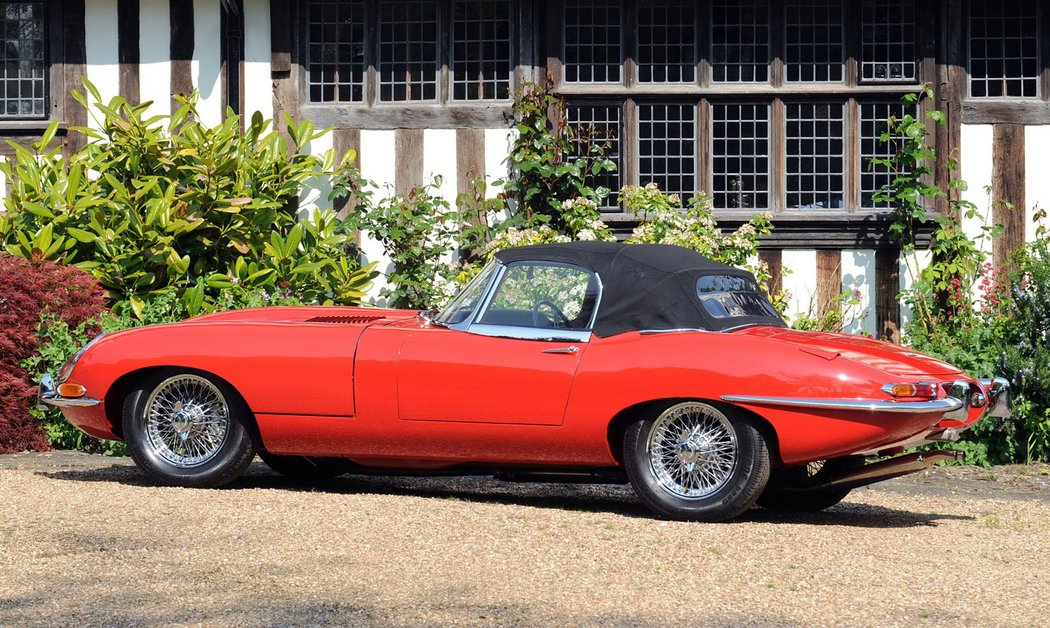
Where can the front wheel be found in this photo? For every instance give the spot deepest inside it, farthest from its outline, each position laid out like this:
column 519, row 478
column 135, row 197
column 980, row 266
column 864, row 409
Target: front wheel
column 696, row 462
column 188, row 429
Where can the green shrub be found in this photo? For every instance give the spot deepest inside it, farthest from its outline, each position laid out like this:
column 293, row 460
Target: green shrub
column 166, row 205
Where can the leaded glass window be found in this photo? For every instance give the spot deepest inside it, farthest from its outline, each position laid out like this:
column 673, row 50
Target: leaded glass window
column 667, row 42
column 481, row 50
column 873, row 125
column 408, row 50
column 667, row 147
column 888, row 41
column 815, row 156
column 336, row 52
column 592, row 42
column 23, row 60
column 740, row 41
column 1004, row 49
column 740, row 155
column 599, row 124
column 814, row 41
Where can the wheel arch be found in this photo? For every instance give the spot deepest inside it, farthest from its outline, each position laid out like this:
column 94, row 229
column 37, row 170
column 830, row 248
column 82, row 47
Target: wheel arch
column 619, row 423
column 119, row 390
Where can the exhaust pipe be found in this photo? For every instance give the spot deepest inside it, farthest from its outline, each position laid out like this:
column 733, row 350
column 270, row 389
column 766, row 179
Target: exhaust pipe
column 891, row 468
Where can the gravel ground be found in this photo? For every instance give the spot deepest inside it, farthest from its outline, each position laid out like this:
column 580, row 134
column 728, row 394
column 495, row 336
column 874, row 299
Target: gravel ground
column 84, row 540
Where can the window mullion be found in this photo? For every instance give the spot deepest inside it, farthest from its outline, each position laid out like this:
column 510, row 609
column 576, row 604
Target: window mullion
column 371, row 51
column 444, row 55
column 851, row 36
column 703, row 45
column 629, row 145
column 776, row 43
column 778, row 157
column 703, row 146
column 852, row 161
column 629, row 42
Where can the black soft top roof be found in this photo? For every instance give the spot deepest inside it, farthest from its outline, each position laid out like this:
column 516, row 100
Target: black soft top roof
column 645, row 286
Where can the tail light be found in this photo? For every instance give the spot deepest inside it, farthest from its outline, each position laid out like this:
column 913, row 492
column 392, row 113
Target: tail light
column 911, row 390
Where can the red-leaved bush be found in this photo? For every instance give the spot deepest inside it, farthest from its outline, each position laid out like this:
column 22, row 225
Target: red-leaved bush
column 27, row 289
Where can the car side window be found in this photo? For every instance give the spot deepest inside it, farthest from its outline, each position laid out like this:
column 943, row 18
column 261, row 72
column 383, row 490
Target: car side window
column 544, row 295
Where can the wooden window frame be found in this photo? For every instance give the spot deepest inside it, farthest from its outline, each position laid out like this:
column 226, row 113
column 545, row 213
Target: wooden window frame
column 775, row 92
column 56, row 100
column 444, row 112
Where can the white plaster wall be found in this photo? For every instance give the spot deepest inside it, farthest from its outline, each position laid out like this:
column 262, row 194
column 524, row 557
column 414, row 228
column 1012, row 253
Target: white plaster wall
column 207, row 60
column 858, row 276
column 439, row 150
column 377, row 165
column 103, row 59
column 909, row 266
column 1037, row 175
column 155, row 55
column 975, row 155
column 497, row 146
column 801, row 281
column 258, row 83
column 316, row 194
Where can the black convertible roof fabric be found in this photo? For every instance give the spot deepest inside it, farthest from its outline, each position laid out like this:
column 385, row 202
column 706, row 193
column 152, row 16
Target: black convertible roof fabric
column 644, row 286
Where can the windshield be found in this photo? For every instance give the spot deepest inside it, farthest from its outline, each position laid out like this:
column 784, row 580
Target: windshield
column 725, row 296
column 466, row 301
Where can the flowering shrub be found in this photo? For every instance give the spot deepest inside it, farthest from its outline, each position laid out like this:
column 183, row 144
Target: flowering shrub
column 28, row 289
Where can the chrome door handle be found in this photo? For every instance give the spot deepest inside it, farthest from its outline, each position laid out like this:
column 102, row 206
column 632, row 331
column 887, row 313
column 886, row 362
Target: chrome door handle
column 569, row 349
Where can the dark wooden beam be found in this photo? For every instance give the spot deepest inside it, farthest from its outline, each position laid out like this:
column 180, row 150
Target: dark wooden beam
column 950, row 88
column 422, row 116
column 829, row 281
column 128, row 32
column 774, row 261
column 74, row 68
column 284, row 21
column 470, row 162
column 344, row 141
column 280, row 36
column 408, row 159
column 1008, row 183
column 180, row 13
column 887, row 287
column 1006, row 112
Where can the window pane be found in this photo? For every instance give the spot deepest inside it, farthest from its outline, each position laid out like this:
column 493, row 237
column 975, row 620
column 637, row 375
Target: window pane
column 873, row 116
column 814, row 156
column 544, row 295
column 336, row 51
column 592, row 41
column 740, row 155
column 740, row 41
column 1003, row 49
column 667, row 42
column 667, row 147
column 481, row 57
column 888, row 41
column 22, row 61
column 814, row 41
column 408, row 50
column 599, row 124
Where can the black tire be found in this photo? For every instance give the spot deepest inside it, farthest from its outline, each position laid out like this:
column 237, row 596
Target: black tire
column 302, row 468
column 210, row 459
column 789, row 489
column 695, row 498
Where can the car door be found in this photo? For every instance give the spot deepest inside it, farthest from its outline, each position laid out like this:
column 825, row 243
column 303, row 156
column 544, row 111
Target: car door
column 513, row 360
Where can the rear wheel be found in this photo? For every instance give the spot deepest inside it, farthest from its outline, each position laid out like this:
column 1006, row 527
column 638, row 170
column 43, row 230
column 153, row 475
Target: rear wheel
column 696, row 462
column 303, row 468
column 797, row 488
column 188, row 429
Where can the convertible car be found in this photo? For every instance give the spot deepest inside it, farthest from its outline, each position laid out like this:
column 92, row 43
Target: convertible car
column 594, row 362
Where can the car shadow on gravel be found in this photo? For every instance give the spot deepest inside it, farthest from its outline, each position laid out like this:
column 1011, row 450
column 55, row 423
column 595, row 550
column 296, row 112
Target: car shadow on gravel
column 597, row 498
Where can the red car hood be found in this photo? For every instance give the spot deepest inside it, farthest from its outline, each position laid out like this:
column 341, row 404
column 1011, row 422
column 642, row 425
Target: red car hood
column 888, row 357
column 308, row 314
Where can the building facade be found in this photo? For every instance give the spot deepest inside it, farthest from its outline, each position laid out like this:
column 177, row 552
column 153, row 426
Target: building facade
column 773, row 106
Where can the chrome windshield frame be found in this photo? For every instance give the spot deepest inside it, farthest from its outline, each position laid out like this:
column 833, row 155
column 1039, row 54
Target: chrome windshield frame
column 471, row 324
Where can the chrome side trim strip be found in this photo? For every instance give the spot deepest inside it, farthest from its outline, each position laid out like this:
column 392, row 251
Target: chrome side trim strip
column 947, row 404
column 530, row 333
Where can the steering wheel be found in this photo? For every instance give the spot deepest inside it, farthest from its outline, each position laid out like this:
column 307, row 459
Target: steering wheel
column 559, row 320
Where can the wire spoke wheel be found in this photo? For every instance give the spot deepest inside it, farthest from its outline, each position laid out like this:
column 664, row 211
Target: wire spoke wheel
column 692, row 450
column 187, row 421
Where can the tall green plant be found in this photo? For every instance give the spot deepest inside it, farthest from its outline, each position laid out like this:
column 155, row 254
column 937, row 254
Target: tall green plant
column 166, row 205
column 912, row 193
column 552, row 164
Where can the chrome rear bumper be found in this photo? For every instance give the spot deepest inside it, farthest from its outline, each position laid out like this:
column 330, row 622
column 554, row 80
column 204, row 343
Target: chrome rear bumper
column 945, row 405
column 48, row 396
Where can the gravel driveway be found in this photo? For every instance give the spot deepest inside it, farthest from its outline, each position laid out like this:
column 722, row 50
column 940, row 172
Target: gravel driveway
column 83, row 540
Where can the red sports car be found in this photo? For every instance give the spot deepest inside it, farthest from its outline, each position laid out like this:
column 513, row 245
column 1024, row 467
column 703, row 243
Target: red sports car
column 583, row 361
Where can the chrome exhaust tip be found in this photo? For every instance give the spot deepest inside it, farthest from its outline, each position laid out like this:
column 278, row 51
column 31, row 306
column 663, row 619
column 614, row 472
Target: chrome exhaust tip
column 892, row 468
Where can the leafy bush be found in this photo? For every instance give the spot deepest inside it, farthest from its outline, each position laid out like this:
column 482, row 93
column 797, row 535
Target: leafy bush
column 416, row 230
column 28, row 290
column 166, row 205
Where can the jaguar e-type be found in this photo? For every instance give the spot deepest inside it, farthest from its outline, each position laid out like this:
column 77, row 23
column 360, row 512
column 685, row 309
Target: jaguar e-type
column 588, row 361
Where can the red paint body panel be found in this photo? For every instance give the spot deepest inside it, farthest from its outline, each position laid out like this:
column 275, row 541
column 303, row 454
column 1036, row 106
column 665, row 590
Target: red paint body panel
column 386, row 388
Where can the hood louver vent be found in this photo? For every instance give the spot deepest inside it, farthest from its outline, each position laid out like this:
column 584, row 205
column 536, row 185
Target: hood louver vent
column 344, row 320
